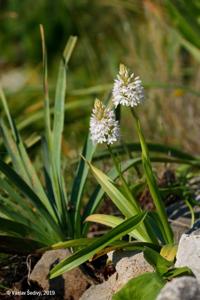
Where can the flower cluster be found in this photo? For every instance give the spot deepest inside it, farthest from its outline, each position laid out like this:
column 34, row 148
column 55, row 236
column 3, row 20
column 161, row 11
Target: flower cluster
column 103, row 126
column 128, row 89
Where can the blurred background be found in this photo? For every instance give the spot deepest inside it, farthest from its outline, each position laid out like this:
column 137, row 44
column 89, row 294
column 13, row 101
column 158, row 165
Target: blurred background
column 157, row 40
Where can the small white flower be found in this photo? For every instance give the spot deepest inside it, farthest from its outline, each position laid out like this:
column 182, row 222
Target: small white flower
column 127, row 89
column 103, row 126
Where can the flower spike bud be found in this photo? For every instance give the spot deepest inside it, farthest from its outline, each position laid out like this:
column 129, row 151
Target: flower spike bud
column 103, row 126
column 127, row 89
column 99, row 109
column 123, row 72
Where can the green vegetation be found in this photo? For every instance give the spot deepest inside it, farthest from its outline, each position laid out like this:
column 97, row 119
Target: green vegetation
column 51, row 191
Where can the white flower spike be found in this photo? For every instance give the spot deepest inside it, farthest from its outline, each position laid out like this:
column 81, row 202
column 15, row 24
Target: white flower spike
column 103, row 126
column 127, row 89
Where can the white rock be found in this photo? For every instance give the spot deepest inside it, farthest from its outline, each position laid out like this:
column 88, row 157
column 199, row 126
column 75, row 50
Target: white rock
column 128, row 265
column 182, row 288
column 188, row 253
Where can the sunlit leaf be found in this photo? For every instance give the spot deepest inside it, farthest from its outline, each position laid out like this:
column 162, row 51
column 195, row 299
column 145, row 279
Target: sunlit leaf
column 126, row 207
column 160, row 264
column 143, row 287
column 88, row 252
column 169, row 252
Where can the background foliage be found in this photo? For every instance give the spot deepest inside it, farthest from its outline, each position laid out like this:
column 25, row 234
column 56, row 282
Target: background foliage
column 159, row 40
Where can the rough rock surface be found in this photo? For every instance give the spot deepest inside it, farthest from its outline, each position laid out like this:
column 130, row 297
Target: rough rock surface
column 128, row 265
column 188, row 253
column 70, row 285
column 182, row 288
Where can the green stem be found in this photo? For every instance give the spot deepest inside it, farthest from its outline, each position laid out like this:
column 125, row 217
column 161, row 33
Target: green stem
column 151, row 181
column 146, row 230
column 127, row 191
column 191, row 211
column 128, row 152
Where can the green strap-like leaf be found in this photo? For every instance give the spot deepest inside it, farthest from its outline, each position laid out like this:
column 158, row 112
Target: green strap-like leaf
column 110, row 221
column 185, row 15
column 59, row 111
column 127, row 208
column 96, row 197
column 70, row 107
column 84, row 254
column 12, row 150
column 14, row 228
column 38, row 232
column 79, row 183
column 17, row 245
column 157, row 148
column 26, row 206
column 55, row 140
column 177, row 272
column 68, row 244
column 115, row 195
column 143, row 287
column 21, row 159
column 27, row 191
column 151, row 181
column 107, row 220
column 160, row 264
column 129, row 246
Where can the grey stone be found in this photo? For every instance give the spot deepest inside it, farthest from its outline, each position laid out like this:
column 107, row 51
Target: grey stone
column 188, row 253
column 101, row 291
column 128, row 265
column 70, row 285
column 182, row 288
